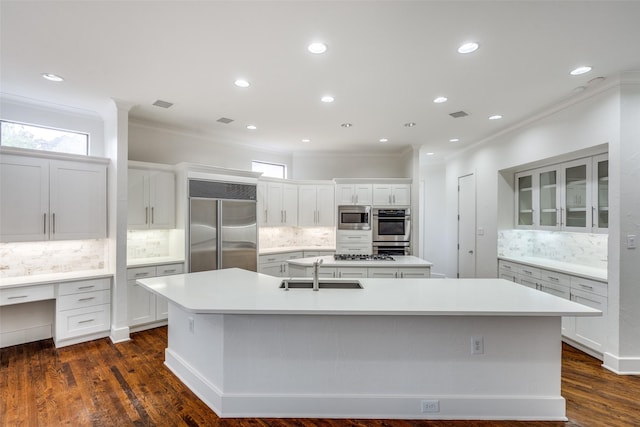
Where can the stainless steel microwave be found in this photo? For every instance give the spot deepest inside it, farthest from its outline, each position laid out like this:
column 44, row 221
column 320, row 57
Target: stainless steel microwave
column 352, row 217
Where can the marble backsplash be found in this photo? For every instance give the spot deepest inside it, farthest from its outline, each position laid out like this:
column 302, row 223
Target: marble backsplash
column 147, row 244
column 32, row 258
column 578, row 248
column 278, row 237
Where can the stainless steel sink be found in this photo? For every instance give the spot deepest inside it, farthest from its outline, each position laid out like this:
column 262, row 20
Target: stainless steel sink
column 322, row 284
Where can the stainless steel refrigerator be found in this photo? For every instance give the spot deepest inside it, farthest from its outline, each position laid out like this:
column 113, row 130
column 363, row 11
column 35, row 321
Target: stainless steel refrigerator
column 223, row 230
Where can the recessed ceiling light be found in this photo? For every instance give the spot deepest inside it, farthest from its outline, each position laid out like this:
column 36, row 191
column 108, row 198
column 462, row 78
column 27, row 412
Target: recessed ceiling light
column 440, row 99
column 52, row 77
column 430, row 154
column 252, row 127
column 580, row 70
column 306, row 140
column 384, row 139
column 317, row 48
column 495, row 117
column 327, row 99
column 409, row 124
column 454, row 140
column 468, row 47
column 346, row 125
column 242, row 83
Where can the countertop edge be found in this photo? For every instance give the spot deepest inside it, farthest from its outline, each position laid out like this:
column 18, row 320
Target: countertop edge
column 14, row 282
column 571, row 269
column 150, row 262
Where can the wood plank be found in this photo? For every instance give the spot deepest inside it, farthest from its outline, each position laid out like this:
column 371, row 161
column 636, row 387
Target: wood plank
column 101, row 383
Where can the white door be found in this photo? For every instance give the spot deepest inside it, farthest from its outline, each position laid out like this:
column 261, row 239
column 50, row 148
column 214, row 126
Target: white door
column 138, row 200
column 325, row 206
column 162, row 195
column 467, row 226
column 307, row 206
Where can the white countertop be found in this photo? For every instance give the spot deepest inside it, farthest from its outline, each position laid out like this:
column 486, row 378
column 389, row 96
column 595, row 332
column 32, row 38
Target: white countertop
column 236, row 291
column 585, row 271
column 42, row 279
column 398, row 261
column 282, row 250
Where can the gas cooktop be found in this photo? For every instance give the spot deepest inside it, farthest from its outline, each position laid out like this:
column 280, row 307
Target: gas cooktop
column 359, row 257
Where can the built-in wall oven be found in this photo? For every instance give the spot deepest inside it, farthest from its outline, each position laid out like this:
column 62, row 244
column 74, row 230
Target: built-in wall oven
column 352, row 217
column 392, row 231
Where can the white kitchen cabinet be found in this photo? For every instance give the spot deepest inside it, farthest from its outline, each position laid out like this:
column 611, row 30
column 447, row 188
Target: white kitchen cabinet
column 571, row 196
column 52, row 199
column 354, row 194
column 277, row 204
column 391, row 194
column 399, row 273
column 354, row 242
column 589, row 333
column 145, row 309
column 83, row 310
column 151, row 199
column 316, row 205
column 276, row 264
column 352, row 272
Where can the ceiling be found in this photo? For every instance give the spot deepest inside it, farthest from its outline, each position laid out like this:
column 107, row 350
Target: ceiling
column 386, row 62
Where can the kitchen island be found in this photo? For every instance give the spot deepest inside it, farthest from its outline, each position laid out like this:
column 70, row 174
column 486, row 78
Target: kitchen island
column 411, row 348
column 396, row 266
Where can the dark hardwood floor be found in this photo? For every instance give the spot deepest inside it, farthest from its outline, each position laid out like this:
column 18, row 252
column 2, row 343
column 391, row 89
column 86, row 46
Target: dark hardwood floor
column 103, row 384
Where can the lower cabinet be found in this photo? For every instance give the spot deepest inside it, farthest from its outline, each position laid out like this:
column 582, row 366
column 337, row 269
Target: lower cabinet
column 588, row 333
column 83, row 311
column 363, row 272
column 276, row 264
column 145, row 309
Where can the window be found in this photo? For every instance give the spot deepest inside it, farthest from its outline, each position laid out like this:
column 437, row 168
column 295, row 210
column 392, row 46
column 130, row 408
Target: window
column 273, row 170
column 40, row 138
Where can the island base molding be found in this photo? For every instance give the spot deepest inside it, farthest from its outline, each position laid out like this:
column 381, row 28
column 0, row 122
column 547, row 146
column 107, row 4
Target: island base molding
column 381, row 366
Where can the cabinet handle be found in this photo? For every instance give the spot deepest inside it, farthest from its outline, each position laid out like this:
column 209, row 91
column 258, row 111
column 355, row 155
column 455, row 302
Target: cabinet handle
column 86, row 287
column 86, row 299
column 561, row 217
column 170, row 271
column 18, row 297
column 593, row 216
column 586, row 286
column 152, row 215
column 87, row 321
column 44, row 228
column 555, row 279
column 141, row 274
column 506, row 267
column 527, row 271
column 53, row 229
column 146, row 215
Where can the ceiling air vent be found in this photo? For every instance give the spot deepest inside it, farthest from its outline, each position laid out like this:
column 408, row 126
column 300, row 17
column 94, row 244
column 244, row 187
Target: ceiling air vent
column 162, row 104
column 458, row 114
column 224, row 120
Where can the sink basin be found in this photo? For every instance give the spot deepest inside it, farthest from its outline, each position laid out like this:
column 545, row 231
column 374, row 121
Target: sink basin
column 323, row 284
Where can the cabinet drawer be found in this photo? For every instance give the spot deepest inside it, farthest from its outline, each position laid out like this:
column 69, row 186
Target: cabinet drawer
column 26, row 294
column 279, row 257
column 354, row 248
column 556, row 289
column 70, row 288
column 508, row 266
column 140, row 273
column 354, row 238
column 84, row 299
column 83, row 321
column 557, row 278
column 526, row 271
column 169, row 269
column 586, row 285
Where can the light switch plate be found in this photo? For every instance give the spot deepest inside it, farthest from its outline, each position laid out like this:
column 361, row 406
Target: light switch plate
column 631, row 241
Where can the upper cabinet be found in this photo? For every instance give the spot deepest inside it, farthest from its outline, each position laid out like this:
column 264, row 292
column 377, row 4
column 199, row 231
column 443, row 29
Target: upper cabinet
column 316, row 205
column 571, row 196
column 151, row 199
column 354, row 194
column 277, row 204
column 53, row 197
column 391, row 194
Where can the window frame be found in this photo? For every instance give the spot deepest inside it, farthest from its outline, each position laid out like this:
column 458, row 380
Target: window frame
column 281, row 165
column 86, row 136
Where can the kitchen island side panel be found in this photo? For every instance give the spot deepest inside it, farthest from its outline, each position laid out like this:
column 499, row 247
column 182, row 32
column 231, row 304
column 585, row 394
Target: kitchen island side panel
column 369, row 366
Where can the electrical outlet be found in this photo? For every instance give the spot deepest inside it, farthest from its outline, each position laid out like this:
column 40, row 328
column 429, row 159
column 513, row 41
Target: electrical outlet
column 191, row 324
column 430, row 406
column 477, row 344
column 631, row 241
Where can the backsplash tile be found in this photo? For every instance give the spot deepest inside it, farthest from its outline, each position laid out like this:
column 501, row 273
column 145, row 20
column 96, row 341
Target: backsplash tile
column 578, row 248
column 147, row 243
column 280, row 237
column 32, row 258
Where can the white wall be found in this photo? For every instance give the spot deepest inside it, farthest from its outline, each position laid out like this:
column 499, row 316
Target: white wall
column 57, row 117
column 351, row 165
column 433, row 176
column 591, row 122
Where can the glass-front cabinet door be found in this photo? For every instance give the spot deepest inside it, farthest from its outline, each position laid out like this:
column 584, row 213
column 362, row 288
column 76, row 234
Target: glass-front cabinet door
column 600, row 209
column 549, row 198
column 576, row 213
column 525, row 212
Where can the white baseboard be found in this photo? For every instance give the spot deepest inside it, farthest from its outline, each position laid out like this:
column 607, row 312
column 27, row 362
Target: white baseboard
column 228, row 405
column 23, row 336
column 119, row 334
column 622, row 365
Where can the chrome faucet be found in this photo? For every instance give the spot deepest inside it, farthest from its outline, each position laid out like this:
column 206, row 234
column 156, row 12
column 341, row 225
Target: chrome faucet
column 316, row 267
